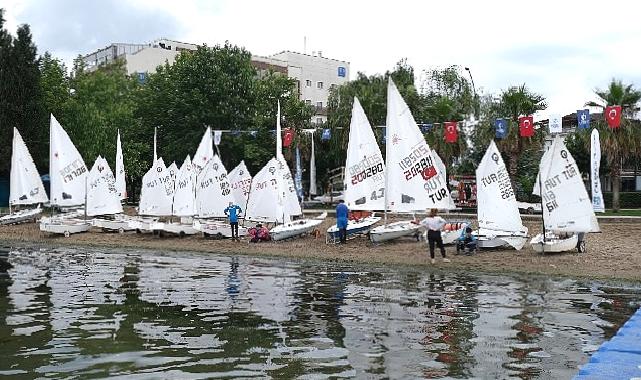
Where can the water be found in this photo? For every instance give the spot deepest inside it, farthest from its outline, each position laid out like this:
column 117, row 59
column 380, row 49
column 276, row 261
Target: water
column 138, row 315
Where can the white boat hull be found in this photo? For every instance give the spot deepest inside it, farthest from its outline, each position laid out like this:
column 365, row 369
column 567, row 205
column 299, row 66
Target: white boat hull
column 554, row 244
column 142, row 224
column 21, row 216
column 180, row 229
column 393, row 231
column 354, row 228
column 64, row 226
column 294, row 229
column 217, row 228
column 497, row 239
column 120, row 224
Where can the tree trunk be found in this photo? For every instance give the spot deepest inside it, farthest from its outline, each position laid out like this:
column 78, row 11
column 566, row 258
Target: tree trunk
column 615, row 173
column 513, row 162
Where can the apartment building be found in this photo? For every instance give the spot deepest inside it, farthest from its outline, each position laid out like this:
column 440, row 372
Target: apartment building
column 315, row 75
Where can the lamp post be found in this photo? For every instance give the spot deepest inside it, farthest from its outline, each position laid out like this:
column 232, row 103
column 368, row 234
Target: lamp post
column 476, row 97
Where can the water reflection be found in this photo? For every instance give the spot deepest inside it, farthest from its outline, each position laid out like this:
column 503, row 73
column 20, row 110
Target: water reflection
column 140, row 315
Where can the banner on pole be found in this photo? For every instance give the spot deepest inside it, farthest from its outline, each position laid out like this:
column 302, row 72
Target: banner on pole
column 298, row 178
column 451, row 132
column 217, row 137
column 500, row 126
column 526, row 126
column 555, row 123
column 583, row 118
column 613, row 116
column 327, row 134
column 288, row 137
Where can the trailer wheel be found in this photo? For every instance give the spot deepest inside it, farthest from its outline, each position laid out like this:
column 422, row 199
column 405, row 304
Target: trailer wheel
column 67, row 234
column 181, row 234
column 121, row 230
column 581, row 247
column 205, row 235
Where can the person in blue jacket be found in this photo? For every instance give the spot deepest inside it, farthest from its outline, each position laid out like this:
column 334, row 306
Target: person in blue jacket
column 342, row 213
column 232, row 211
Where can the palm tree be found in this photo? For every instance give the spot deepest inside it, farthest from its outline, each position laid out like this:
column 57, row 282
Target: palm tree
column 623, row 142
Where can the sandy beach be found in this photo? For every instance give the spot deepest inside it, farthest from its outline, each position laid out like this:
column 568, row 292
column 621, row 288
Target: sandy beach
column 611, row 254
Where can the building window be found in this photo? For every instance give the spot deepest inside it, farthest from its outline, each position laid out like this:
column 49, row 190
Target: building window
column 319, row 85
column 319, row 120
column 308, row 83
column 332, row 86
column 308, row 102
column 319, row 104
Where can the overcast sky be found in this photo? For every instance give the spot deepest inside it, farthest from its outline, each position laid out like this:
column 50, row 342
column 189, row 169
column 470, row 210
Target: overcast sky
column 561, row 49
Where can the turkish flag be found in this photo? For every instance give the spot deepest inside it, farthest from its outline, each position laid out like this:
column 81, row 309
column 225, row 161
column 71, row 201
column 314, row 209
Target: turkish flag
column 613, row 116
column 288, row 137
column 428, row 172
column 526, row 126
column 451, row 133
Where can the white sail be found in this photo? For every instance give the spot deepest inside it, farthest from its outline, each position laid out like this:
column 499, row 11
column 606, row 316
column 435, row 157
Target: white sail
column 204, row 153
column 25, row 185
column 265, row 203
column 156, row 197
column 364, row 181
column 120, row 170
column 595, row 153
column 414, row 182
column 67, row 169
column 102, row 195
column 287, row 189
column 240, row 181
column 185, row 190
column 443, row 170
column 497, row 207
column 213, row 191
column 566, row 204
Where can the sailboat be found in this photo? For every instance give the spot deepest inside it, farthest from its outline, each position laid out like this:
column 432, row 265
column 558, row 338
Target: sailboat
column 183, row 202
column 567, row 208
column 68, row 176
column 452, row 230
column 282, row 188
column 498, row 213
column 364, row 181
column 25, row 184
column 213, row 194
column 413, row 180
column 117, row 220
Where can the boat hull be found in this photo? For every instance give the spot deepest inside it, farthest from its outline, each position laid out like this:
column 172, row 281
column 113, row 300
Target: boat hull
column 554, row 244
column 22, row 216
column 294, row 229
column 119, row 224
column 180, row 229
column 354, row 228
column 393, row 231
column 64, row 226
column 217, row 228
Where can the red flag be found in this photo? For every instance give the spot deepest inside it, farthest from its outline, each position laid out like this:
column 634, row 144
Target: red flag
column 288, row 137
column 613, row 116
column 526, row 126
column 451, row 133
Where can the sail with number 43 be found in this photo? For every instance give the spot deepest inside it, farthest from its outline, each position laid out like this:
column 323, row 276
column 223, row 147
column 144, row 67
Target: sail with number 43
column 240, row 181
column 103, row 197
column 25, row 184
column 266, row 203
column 365, row 168
column 415, row 182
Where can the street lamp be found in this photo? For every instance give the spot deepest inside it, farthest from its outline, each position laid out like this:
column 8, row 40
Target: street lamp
column 476, row 97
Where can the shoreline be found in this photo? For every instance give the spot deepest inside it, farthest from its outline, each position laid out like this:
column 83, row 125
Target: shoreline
column 612, row 254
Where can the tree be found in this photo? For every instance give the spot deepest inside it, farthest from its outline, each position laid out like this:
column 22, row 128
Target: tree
column 621, row 143
column 6, row 78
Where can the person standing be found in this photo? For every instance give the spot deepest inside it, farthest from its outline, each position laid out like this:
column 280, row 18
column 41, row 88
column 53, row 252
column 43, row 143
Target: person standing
column 434, row 225
column 232, row 211
column 342, row 214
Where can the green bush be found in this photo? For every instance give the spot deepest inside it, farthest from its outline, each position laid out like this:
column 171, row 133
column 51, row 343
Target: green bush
column 627, row 200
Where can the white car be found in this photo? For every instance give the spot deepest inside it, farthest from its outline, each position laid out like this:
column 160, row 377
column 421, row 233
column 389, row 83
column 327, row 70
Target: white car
column 530, row 208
